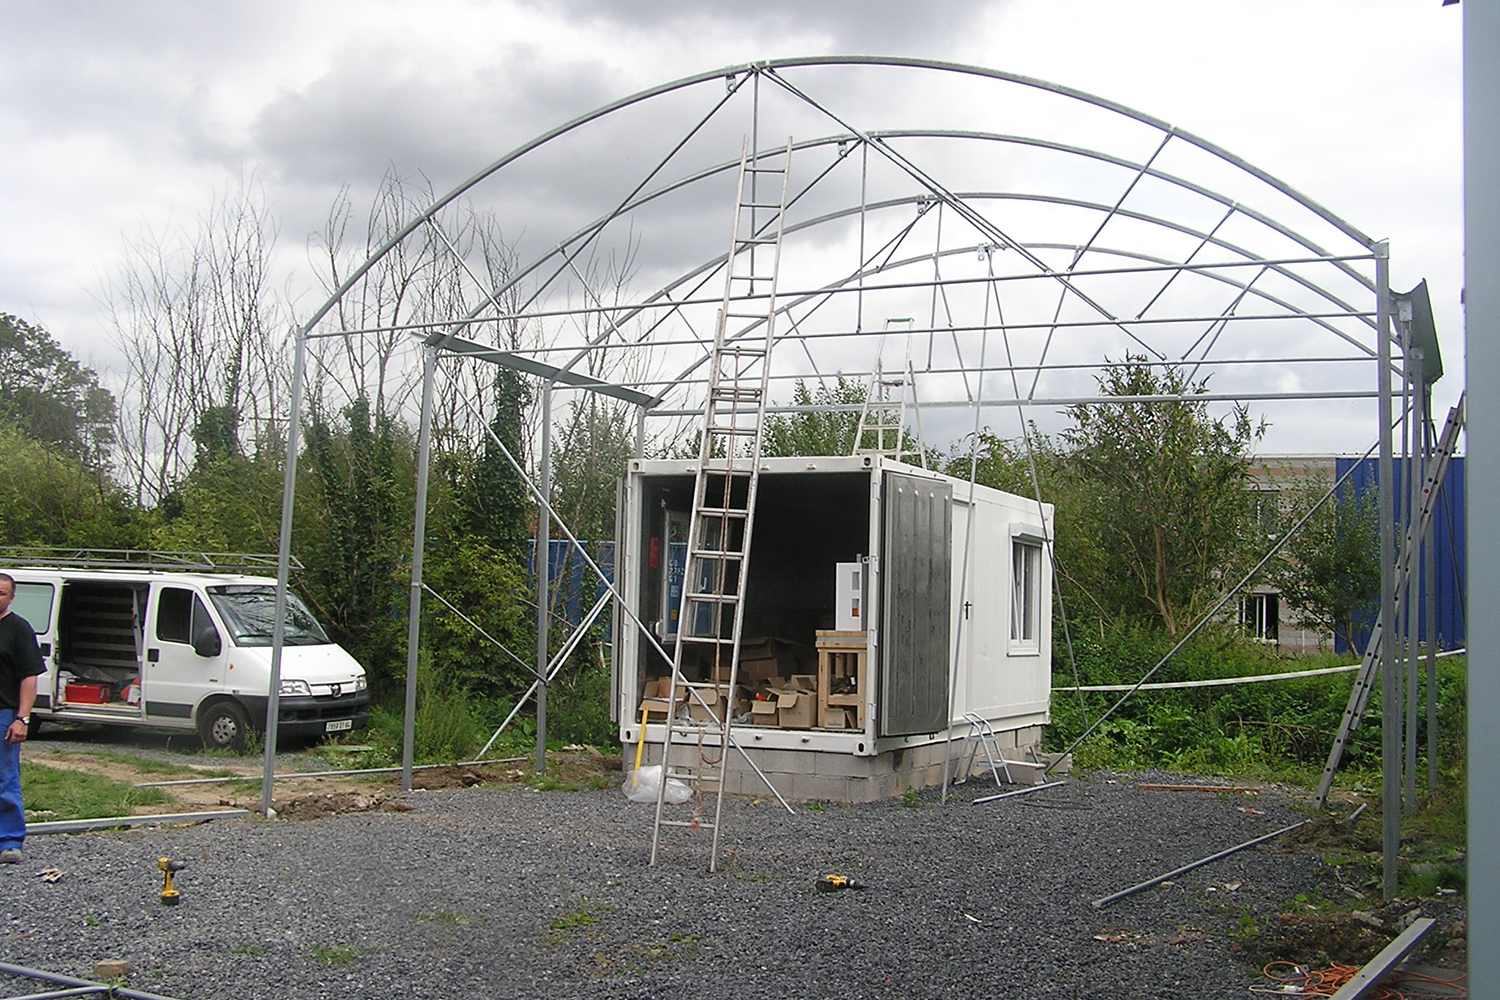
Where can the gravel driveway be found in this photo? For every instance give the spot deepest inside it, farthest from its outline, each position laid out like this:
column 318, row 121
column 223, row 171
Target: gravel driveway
column 511, row 892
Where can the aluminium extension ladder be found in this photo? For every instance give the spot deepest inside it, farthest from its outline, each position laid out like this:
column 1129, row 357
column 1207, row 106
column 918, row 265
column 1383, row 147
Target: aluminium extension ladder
column 1406, row 559
column 711, row 616
column 882, row 418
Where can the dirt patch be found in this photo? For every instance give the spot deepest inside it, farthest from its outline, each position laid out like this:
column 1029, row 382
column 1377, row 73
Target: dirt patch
column 328, row 795
column 1354, row 937
column 1336, row 834
column 325, row 804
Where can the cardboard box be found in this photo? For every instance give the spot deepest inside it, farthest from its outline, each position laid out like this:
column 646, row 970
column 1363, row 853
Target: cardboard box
column 655, row 707
column 795, row 709
column 838, row 717
column 764, row 713
column 716, row 699
column 803, row 682
column 761, row 659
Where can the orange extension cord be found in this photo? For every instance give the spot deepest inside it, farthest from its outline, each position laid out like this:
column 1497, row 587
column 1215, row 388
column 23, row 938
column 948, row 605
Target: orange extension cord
column 1327, row 982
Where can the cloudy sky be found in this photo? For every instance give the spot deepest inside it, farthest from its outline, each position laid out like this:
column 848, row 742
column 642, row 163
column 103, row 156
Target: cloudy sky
column 128, row 118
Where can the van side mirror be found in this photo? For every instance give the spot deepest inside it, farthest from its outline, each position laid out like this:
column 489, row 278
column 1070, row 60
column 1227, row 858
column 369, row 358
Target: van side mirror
column 207, row 642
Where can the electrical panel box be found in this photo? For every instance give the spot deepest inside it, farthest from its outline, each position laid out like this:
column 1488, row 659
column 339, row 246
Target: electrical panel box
column 849, row 597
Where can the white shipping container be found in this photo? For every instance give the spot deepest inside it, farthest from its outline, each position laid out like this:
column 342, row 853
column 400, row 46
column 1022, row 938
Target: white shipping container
column 953, row 603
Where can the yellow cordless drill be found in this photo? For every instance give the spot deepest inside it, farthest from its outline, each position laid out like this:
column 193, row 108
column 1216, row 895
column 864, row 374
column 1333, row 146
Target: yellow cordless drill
column 169, row 895
column 833, row 883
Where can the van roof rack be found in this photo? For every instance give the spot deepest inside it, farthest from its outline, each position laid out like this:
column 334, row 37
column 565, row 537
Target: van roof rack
column 141, row 559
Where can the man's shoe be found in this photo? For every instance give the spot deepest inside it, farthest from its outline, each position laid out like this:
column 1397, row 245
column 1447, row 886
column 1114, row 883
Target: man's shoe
column 10, row 856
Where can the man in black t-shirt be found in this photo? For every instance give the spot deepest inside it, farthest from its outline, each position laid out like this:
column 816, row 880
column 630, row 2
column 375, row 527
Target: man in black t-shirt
column 20, row 665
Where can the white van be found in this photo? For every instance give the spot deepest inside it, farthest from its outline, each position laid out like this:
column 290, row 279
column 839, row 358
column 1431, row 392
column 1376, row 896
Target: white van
column 185, row 650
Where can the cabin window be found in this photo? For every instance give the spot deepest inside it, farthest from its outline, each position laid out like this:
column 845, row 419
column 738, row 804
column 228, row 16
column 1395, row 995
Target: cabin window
column 1025, row 601
column 34, row 603
column 180, row 615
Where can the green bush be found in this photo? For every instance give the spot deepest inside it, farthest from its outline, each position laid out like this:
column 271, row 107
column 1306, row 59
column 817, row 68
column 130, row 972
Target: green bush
column 1281, row 728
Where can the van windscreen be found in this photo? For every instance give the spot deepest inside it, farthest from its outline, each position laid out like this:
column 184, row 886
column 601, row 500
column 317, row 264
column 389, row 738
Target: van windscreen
column 249, row 612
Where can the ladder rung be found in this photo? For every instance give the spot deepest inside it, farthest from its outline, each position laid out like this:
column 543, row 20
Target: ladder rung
column 695, row 824
column 755, row 241
column 707, row 639
column 723, row 511
column 751, row 169
column 708, row 597
column 717, row 555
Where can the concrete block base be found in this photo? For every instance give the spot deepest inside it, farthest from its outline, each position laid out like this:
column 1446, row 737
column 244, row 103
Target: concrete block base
column 811, row 775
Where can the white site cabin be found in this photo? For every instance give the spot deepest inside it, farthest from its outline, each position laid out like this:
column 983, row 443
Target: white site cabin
column 951, row 620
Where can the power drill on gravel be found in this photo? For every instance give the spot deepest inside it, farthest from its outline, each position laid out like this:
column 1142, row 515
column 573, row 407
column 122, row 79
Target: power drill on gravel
column 169, row 895
column 833, row 883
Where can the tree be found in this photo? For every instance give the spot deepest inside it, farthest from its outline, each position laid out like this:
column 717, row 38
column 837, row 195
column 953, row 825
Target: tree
column 998, row 463
column 1158, row 491
column 362, row 492
column 817, row 432
column 203, row 336
column 51, row 398
column 500, row 506
column 1331, row 573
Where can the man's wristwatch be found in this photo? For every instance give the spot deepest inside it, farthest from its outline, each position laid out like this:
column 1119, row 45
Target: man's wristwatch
column 24, row 720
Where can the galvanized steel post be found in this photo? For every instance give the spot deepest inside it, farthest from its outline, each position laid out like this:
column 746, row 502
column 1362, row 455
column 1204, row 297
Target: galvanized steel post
column 418, row 540
column 1390, row 680
column 283, row 564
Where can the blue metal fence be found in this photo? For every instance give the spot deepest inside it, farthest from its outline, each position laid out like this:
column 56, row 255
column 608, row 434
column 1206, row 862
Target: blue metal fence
column 1449, row 537
column 574, row 586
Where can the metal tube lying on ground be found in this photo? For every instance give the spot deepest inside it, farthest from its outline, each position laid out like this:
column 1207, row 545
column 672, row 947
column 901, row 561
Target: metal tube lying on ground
column 1018, row 791
column 1197, row 864
column 1367, row 978
column 108, row 823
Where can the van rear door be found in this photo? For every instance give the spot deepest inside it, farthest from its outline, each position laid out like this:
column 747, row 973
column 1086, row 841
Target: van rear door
column 37, row 601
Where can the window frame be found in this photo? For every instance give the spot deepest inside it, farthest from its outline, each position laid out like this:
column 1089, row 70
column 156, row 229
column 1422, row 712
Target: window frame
column 1027, row 547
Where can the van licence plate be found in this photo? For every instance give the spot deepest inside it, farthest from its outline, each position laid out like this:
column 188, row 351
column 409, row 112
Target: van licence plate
column 338, row 725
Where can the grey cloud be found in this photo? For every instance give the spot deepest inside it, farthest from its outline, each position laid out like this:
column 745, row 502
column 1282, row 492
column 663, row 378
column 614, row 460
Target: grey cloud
column 856, row 26
column 361, row 115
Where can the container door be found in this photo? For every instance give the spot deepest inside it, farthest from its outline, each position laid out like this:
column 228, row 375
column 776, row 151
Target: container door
column 916, row 573
column 177, row 677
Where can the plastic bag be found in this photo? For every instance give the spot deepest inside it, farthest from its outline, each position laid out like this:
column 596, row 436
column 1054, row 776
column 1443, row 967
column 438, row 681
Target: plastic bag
column 642, row 784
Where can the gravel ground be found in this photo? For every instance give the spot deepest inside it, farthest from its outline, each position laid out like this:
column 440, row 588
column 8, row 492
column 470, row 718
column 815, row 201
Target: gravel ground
column 511, row 892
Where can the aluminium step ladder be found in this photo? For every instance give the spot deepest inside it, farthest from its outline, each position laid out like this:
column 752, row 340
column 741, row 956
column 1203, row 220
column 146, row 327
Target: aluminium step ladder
column 1405, row 561
column 710, row 618
column 981, row 735
column 882, row 418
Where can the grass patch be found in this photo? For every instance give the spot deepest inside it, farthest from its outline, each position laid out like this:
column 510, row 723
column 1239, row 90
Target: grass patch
column 547, row 783
column 338, row 954
column 250, row 950
column 815, row 807
column 577, row 921
column 448, row 918
column 69, row 795
column 911, row 799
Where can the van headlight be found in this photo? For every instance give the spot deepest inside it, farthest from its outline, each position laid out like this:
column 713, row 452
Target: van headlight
column 292, row 688
column 359, row 683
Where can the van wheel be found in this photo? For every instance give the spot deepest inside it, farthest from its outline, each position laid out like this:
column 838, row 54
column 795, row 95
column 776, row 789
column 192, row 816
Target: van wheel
column 224, row 725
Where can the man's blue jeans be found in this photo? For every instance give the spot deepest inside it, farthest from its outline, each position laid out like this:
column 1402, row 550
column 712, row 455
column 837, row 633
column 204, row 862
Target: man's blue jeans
column 12, row 818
